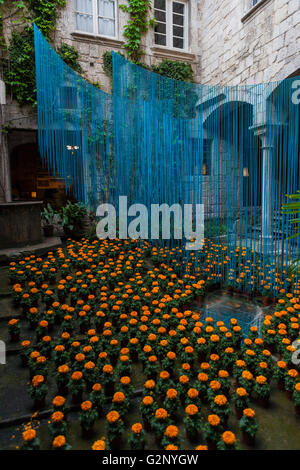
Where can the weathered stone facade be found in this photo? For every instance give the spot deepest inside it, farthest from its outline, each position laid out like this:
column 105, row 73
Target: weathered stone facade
column 229, row 42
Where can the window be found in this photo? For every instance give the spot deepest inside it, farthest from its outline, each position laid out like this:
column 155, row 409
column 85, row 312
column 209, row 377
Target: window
column 96, row 17
column 171, row 23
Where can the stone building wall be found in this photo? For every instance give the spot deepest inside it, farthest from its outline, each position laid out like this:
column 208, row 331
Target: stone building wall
column 243, row 45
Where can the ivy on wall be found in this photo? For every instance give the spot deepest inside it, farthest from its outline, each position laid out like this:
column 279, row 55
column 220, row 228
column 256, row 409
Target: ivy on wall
column 174, row 69
column 138, row 24
column 19, row 69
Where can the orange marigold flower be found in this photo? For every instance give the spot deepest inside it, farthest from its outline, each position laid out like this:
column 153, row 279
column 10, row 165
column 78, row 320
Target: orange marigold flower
column 161, row 413
column 249, row 412
column 112, row 416
column 29, row 435
column 191, row 410
column 147, row 400
column 228, row 437
column 220, row 400
column 136, row 428
column 213, row 420
column 99, row 445
column 171, row 431
column 86, row 405
column 58, row 442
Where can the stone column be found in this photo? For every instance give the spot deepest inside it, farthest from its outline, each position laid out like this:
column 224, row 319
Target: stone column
column 265, row 132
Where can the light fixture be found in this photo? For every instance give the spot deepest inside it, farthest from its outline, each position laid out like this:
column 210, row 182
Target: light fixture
column 72, row 148
column 33, row 194
column 245, row 172
column 204, row 169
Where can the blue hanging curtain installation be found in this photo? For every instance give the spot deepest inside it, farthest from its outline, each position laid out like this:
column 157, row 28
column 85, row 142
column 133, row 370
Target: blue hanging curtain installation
column 234, row 149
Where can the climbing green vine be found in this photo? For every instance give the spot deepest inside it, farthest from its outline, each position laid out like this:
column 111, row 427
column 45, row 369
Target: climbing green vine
column 19, row 70
column 138, row 24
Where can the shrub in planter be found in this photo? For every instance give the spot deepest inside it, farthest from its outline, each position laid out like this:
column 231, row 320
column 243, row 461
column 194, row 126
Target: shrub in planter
column 262, row 390
column 241, row 400
column 201, row 349
column 72, row 216
column 136, row 438
column 227, row 441
column 90, row 373
column 168, row 363
column 263, row 368
column 192, row 422
column 212, row 430
column 14, row 329
column 30, row 440
column 248, row 426
column 87, row 417
column 171, row 437
column 57, row 424
column 114, row 428
column 60, row 443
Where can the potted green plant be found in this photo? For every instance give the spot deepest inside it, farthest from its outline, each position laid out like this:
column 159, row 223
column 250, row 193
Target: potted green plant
column 48, row 216
column 72, row 216
column 248, row 426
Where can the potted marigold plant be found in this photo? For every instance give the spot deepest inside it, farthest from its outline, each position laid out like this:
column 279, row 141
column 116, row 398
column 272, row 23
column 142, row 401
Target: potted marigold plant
column 97, row 397
column 227, row 441
column 30, row 440
column 25, row 352
column 77, row 386
column 136, row 438
column 107, row 379
column 121, row 404
column 59, row 404
column 172, row 403
column 241, row 400
column 290, row 381
column 57, row 424
column 262, row 390
column 125, row 386
column 147, row 408
column 201, row 386
column 87, row 418
column 38, row 391
column 62, row 379
column 248, row 426
column 14, row 330
column 212, row 431
column 151, row 367
column 114, row 429
column 192, row 422
column 296, row 398
column 60, row 443
column 159, row 422
column 220, row 406
column 171, row 437
column 280, row 373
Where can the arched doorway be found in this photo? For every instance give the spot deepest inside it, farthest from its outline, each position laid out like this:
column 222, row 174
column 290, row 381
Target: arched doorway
column 30, row 180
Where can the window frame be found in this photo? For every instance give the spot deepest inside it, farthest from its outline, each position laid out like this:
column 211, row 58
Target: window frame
column 95, row 21
column 169, row 26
